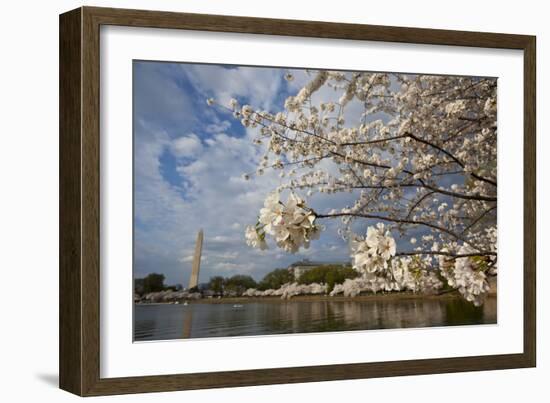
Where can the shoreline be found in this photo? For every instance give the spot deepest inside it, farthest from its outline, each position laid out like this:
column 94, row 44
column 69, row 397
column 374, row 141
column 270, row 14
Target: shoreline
column 313, row 298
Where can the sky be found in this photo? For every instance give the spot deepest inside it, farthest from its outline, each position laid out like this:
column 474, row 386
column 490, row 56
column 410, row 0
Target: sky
column 189, row 161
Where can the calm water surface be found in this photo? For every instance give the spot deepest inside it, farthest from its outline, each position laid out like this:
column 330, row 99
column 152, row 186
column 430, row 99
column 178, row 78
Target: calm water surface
column 164, row 322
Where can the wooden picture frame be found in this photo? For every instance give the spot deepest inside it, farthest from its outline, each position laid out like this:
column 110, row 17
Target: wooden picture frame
column 80, row 199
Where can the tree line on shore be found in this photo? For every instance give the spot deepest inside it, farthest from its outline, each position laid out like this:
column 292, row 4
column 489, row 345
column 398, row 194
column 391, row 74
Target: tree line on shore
column 238, row 284
column 153, row 282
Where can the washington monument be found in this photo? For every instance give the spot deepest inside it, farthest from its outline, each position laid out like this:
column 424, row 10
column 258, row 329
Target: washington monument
column 194, row 280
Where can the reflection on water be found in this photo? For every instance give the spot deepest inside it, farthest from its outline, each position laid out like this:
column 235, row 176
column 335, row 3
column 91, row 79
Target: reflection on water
column 163, row 322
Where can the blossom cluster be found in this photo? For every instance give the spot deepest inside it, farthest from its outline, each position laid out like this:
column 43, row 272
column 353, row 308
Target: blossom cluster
column 421, row 281
column 255, row 237
column 374, row 257
column 371, row 255
column 288, row 290
column 291, row 224
column 467, row 274
column 293, row 103
column 416, row 151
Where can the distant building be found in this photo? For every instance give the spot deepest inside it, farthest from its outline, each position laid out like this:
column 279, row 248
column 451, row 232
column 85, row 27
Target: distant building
column 302, row 266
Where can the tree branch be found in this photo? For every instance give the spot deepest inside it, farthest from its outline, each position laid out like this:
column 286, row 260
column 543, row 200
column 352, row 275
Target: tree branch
column 455, row 159
column 400, row 221
column 477, row 219
column 415, row 205
column 449, row 254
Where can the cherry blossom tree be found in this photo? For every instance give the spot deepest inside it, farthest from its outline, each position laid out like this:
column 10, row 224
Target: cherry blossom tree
column 419, row 154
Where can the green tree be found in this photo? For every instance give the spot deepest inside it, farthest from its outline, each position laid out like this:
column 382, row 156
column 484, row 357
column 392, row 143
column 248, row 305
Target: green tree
column 174, row 287
column 329, row 275
column 239, row 283
column 153, row 282
column 138, row 286
column 216, row 284
column 275, row 279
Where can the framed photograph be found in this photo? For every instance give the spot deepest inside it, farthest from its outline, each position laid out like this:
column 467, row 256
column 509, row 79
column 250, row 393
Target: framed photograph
column 249, row 201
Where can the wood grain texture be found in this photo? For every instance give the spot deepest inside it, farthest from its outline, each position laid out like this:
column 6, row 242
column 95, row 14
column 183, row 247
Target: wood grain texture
column 70, row 271
column 80, row 201
column 90, row 202
column 316, row 29
column 530, row 202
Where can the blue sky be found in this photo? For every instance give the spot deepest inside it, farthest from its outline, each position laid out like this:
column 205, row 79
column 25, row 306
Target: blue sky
column 189, row 159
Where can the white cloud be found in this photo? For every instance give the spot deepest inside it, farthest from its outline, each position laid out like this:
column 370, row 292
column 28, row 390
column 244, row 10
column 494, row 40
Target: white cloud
column 213, row 195
column 228, row 268
column 226, row 265
column 228, row 255
column 216, row 128
column 187, row 146
column 216, row 199
column 158, row 98
column 259, row 85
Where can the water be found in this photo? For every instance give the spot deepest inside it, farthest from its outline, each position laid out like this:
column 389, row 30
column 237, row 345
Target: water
column 164, row 322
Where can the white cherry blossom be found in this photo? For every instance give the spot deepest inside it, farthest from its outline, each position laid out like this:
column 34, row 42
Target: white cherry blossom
column 418, row 154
